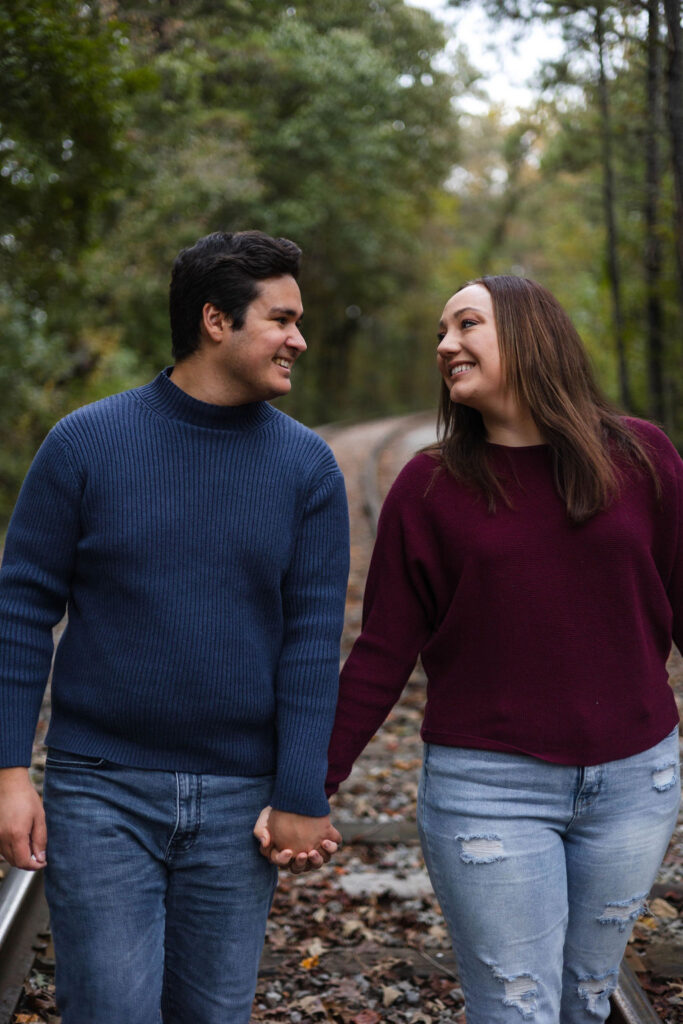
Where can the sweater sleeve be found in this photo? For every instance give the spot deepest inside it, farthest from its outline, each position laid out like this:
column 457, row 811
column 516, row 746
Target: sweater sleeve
column 675, row 583
column 34, row 584
column 314, row 594
column 669, row 522
column 398, row 612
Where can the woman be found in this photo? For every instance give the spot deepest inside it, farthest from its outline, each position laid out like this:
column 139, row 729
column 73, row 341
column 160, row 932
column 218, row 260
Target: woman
column 533, row 558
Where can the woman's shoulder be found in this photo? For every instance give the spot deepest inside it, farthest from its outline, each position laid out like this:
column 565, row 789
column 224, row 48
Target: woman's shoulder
column 653, row 438
column 418, row 472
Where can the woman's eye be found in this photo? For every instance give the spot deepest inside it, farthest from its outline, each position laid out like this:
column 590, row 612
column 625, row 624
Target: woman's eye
column 468, row 323
column 440, row 336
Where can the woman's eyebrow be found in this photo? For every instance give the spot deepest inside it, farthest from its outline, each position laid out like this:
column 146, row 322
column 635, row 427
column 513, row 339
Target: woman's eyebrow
column 467, row 309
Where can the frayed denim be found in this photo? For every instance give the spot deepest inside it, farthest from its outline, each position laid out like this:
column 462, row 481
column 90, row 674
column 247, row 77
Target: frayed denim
column 541, row 870
column 158, row 895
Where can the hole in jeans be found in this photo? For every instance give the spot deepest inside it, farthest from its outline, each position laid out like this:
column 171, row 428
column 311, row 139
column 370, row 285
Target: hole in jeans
column 480, row 849
column 664, row 778
column 520, row 991
column 595, row 990
column 623, row 912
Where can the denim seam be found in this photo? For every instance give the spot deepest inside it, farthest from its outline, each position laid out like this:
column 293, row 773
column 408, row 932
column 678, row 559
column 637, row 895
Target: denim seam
column 169, row 846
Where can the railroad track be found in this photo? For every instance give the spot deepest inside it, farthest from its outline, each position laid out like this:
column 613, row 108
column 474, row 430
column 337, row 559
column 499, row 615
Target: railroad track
column 23, row 911
column 23, row 915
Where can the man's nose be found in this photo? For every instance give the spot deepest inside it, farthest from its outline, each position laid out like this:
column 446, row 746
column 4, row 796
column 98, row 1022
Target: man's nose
column 296, row 340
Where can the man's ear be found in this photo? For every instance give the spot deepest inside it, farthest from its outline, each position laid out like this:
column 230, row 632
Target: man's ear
column 214, row 320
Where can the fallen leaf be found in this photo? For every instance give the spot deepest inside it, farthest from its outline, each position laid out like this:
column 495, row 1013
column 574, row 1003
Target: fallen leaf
column 366, row 1017
column 315, row 947
column 309, row 962
column 390, row 995
column 663, row 909
column 311, row 1004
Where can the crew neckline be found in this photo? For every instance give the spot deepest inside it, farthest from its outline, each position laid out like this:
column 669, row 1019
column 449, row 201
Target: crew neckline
column 170, row 401
column 543, row 446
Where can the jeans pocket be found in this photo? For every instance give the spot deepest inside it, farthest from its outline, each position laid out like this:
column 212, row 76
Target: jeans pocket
column 66, row 759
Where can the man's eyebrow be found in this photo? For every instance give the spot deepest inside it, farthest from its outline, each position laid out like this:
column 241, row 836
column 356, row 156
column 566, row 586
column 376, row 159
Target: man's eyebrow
column 282, row 311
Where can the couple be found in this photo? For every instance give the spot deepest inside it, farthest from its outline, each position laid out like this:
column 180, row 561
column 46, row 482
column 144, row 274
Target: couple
column 199, row 540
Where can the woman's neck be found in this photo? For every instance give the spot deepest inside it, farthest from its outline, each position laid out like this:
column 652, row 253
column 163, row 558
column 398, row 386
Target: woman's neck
column 519, row 431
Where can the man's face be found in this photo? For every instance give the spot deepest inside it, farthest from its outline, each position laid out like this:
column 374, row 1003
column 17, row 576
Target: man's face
column 256, row 361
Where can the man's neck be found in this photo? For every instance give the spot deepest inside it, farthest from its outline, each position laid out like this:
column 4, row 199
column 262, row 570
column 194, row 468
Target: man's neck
column 195, row 377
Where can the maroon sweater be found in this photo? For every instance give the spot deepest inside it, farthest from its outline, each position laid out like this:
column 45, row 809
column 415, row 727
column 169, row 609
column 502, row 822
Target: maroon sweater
column 537, row 636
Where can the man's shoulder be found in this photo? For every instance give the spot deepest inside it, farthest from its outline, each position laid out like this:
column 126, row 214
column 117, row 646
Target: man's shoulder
column 302, row 442
column 109, row 408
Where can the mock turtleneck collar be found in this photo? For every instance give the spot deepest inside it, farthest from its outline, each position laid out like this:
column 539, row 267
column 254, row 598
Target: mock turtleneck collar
column 167, row 399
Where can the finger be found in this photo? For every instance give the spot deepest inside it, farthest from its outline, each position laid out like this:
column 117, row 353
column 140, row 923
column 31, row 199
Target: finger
column 329, row 847
column 261, row 829
column 264, row 837
column 39, row 838
column 315, row 859
column 281, row 857
column 299, row 864
column 334, row 834
column 20, row 855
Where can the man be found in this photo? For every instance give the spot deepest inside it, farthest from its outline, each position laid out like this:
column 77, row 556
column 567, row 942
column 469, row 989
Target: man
column 198, row 538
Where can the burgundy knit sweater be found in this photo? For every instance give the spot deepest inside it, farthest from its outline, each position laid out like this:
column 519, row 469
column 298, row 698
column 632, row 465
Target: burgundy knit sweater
column 537, row 636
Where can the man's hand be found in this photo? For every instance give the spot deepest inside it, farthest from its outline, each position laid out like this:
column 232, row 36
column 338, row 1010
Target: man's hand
column 23, row 835
column 296, row 841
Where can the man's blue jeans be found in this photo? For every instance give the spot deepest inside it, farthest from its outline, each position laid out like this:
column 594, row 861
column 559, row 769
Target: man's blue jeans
column 158, row 895
column 541, row 870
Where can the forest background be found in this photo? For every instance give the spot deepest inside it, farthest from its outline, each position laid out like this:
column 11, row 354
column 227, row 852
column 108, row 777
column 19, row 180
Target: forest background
column 128, row 128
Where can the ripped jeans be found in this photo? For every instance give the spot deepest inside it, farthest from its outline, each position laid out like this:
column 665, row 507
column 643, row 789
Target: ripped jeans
column 541, row 870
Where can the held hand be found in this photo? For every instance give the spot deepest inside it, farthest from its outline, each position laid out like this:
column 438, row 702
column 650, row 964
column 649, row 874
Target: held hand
column 23, row 835
column 295, row 840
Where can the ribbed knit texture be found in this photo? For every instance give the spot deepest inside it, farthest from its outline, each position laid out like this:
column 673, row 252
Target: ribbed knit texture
column 537, row 636
column 203, row 551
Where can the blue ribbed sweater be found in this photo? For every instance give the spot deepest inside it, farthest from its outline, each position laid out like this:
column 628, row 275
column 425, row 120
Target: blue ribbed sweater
column 202, row 553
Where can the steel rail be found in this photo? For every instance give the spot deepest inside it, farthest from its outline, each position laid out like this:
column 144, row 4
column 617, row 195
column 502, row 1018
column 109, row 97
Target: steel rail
column 23, row 913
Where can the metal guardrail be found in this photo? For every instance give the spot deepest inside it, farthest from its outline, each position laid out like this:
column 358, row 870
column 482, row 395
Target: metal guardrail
column 23, row 913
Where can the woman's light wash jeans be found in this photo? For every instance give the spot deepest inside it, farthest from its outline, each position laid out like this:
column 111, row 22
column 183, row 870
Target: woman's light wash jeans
column 158, row 895
column 541, row 870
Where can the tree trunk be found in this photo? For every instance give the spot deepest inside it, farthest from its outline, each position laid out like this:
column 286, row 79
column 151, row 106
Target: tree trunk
column 610, row 217
column 674, row 102
column 653, row 249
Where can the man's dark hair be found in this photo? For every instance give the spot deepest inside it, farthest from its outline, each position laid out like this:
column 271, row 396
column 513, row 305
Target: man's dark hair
column 223, row 268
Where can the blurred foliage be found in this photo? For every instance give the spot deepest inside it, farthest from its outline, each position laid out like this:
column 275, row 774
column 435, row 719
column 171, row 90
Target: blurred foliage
column 131, row 127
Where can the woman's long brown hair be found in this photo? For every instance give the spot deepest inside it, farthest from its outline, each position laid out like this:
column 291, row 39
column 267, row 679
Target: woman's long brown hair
column 547, row 369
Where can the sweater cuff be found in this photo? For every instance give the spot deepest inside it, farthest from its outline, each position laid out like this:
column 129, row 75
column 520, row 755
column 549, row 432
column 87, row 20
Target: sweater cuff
column 304, row 795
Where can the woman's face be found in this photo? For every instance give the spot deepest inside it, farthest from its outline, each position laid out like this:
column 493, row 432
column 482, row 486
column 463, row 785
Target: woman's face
column 468, row 355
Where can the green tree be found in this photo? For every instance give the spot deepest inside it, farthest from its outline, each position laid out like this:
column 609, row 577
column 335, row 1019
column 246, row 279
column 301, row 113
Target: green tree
column 325, row 123
column 62, row 149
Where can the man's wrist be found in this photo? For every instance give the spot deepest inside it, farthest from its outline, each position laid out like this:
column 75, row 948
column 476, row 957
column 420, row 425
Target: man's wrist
column 15, row 773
